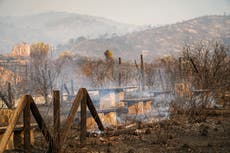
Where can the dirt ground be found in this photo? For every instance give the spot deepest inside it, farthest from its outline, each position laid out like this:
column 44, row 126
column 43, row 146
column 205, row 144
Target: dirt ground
column 173, row 135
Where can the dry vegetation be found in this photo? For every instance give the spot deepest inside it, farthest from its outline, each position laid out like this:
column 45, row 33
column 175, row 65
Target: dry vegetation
column 199, row 119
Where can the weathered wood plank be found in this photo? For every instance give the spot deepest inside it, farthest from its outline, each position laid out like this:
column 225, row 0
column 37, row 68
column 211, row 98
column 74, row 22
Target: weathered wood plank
column 5, row 100
column 83, row 119
column 142, row 74
column 10, row 95
column 71, row 115
column 40, row 121
column 12, row 123
column 93, row 111
column 56, row 115
column 26, row 122
column 119, row 77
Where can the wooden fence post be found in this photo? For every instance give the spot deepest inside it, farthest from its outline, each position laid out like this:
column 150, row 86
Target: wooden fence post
column 83, row 98
column 56, row 114
column 83, row 119
column 26, row 122
column 12, row 123
column 142, row 74
column 71, row 115
column 119, row 77
column 10, row 95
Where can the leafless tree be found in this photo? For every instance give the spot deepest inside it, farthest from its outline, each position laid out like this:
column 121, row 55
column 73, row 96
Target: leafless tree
column 42, row 71
column 206, row 66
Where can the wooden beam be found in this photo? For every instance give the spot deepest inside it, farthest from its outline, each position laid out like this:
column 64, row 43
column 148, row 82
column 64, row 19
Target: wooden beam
column 2, row 96
column 142, row 74
column 56, row 115
column 119, row 77
column 26, row 122
column 72, row 88
column 40, row 121
column 66, row 89
column 71, row 115
column 12, row 123
column 83, row 119
column 10, row 94
column 93, row 111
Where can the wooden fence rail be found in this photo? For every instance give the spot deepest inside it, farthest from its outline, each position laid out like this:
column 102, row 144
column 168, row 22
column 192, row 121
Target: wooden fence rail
column 12, row 123
column 27, row 104
column 84, row 99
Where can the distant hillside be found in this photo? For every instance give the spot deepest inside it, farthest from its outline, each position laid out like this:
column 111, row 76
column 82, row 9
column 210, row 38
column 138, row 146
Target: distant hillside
column 159, row 41
column 56, row 28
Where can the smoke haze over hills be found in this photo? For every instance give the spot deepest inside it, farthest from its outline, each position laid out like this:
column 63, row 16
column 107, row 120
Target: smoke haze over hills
column 160, row 41
column 56, row 28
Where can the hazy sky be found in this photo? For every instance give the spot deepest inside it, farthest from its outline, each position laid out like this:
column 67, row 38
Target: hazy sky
column 127, row 11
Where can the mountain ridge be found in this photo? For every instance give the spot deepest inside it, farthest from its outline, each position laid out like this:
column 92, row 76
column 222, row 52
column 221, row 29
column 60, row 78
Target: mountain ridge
column 56, row 28
column 159, row 41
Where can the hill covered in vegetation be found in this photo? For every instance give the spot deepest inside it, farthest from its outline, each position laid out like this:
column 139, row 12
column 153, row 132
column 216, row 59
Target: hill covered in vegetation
column 165, row 40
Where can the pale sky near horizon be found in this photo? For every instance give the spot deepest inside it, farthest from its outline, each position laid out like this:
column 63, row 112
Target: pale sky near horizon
column 127, row 11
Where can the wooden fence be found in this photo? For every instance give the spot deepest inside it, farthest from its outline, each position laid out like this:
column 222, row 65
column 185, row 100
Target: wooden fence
column 57, row 139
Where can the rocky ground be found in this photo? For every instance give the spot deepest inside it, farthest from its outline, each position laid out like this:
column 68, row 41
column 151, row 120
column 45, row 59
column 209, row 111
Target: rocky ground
column 174, row 135
column 166, row 136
